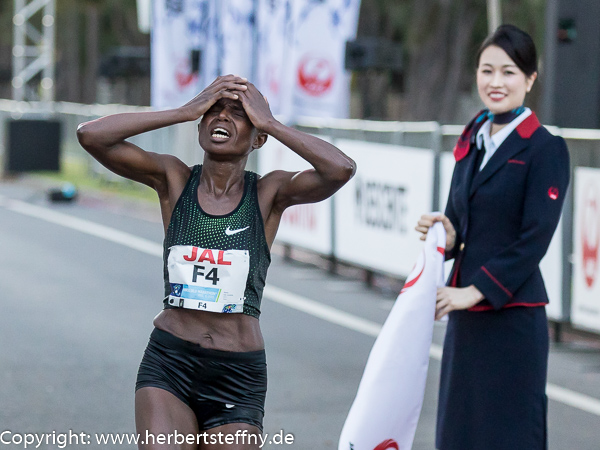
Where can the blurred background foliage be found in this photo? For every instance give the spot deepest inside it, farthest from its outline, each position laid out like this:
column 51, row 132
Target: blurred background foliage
column 439, row 39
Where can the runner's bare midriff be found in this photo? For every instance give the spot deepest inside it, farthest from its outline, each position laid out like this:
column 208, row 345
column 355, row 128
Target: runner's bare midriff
column 218, row 331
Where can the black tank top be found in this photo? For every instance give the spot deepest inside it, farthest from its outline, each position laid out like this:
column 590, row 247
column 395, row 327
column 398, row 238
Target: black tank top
column 209, row 246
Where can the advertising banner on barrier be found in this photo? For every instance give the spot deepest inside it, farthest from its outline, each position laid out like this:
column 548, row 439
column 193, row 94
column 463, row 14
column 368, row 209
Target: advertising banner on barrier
column 377, row 211
column 307, row 226
column 551, row 265
column 585, row 304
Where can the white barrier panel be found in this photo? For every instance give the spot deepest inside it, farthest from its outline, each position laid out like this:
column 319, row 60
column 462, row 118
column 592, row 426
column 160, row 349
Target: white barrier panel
column 447, row 162
column 377, row 211
column 552, row 270
column 307, row 226
column 585, row 304
column 551, row 265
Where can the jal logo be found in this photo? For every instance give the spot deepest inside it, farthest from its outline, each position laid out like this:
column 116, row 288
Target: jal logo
column 316, row 75
column 208, row 255
column 388, row 444
column 590, row 235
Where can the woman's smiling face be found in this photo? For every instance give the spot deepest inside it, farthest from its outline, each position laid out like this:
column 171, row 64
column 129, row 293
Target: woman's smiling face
column 502, row 86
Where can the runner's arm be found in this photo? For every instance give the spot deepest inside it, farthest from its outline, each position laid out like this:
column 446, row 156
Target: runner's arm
column 105, row 138
column 331, row 168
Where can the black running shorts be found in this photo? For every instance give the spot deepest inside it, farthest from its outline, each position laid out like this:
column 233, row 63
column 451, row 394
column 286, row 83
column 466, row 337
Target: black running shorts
column 220, row 387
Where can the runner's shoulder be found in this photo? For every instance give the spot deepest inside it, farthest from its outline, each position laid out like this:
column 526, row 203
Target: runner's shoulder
column 176, row 173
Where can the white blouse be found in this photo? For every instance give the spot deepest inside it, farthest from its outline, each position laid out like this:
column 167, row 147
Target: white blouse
column 493, row 142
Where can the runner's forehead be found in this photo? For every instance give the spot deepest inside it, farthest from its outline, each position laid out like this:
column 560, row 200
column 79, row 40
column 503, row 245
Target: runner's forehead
column 228, row 102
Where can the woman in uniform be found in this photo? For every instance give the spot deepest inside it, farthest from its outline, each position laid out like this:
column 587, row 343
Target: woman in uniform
column 508, row 187
column 204, row 371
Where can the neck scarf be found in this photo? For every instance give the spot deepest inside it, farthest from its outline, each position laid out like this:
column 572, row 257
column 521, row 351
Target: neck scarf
column 468, row 135
column 506, row 117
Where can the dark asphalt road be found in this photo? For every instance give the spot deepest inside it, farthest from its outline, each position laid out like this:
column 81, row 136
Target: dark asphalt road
column 77, row 312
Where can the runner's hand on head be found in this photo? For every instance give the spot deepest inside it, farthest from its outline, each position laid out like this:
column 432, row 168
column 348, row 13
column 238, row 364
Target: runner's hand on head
column 227, row 86
column 256, row 107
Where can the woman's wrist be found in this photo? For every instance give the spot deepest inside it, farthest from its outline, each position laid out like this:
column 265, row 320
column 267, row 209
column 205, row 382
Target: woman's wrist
column 477, row 294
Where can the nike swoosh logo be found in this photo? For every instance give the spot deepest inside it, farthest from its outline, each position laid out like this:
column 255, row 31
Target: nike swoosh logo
column 229, row 232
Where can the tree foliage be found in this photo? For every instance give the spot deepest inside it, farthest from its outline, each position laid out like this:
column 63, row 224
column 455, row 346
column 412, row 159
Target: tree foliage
column 440, row 39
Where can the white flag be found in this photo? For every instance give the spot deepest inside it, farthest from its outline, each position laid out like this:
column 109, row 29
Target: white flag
column 386, row 409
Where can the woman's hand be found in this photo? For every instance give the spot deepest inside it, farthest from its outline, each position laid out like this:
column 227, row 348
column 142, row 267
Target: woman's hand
column 427, row 221
column 256, row 107
column 451, row 299
column 227, row 86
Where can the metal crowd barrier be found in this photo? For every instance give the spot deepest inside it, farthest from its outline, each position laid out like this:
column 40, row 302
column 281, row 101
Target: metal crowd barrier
column 404, row 170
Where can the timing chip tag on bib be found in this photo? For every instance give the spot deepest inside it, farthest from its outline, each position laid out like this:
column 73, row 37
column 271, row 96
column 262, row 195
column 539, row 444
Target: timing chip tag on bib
column 208, row 279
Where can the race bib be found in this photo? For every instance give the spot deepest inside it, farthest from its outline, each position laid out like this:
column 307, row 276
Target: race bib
column 208, row 279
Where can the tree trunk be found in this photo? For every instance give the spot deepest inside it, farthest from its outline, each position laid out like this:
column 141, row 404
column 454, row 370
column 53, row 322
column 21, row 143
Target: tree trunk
column 92, row 55
column 68, row 85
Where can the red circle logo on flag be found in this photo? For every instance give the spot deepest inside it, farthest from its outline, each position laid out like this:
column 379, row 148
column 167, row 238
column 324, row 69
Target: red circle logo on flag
column 415, row 273
column 553, row 193
column 388, row 444
column 315, row 75
column 590, row 235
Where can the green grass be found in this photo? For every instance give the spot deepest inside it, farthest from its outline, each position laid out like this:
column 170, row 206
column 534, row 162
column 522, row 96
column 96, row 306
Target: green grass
column 77, row 172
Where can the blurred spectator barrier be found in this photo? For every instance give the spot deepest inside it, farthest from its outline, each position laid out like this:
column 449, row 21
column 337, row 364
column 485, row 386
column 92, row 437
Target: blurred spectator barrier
column 404, row 170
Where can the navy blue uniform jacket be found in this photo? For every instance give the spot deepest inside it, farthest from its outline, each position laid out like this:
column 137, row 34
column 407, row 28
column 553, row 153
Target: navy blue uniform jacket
column 505, row 215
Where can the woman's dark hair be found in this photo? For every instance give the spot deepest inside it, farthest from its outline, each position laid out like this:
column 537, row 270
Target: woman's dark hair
column 517, row 44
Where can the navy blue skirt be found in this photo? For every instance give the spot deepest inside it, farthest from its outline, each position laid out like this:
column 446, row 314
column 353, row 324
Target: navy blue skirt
column 493, row 381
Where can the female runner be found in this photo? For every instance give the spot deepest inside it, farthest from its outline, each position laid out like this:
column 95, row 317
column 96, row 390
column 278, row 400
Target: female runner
column 204, row 370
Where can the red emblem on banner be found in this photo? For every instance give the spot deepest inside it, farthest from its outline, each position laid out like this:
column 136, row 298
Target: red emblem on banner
column 388, row 444
column 553, row 193
column 315, row 75
column 590, row 235
column 184, row 75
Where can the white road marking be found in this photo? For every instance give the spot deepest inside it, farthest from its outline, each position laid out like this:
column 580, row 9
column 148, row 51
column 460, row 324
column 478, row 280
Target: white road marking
column 85, row 226
column 566, row 396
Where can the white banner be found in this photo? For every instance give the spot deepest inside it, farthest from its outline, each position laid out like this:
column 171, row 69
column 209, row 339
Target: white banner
column 377, row 211
column 237, row 26
column 386, row 409
column 321, row 85
column 175, row 31
column 551, row 265
column 273, row 51
column 447, row 162
column 585, row 304
column 552, row 272
column 208, row 40
column 306, row 226
column 299, row 59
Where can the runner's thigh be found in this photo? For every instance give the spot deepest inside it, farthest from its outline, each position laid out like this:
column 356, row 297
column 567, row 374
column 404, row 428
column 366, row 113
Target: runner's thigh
column 158, row 412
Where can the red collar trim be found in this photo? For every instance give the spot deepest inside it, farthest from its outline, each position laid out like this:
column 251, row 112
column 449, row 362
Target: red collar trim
column 528, row 126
